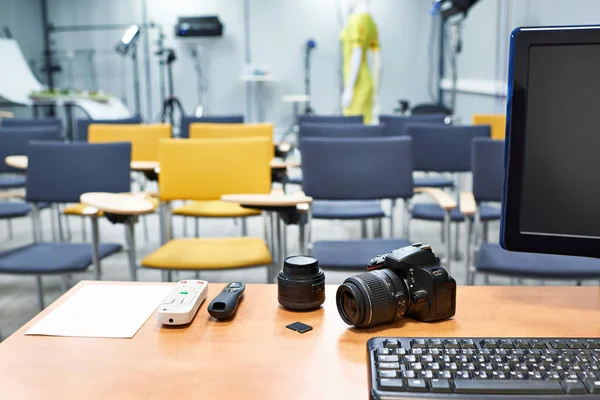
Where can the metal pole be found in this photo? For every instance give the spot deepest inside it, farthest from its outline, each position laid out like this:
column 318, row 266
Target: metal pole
column 248, row 56
column 47, row 45
column 130, row 238
column 136, row 79
column 147, row 60
column 95, row 244
column 448, row 244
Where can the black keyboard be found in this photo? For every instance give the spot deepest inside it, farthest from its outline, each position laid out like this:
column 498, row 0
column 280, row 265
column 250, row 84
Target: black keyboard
column 490, row 368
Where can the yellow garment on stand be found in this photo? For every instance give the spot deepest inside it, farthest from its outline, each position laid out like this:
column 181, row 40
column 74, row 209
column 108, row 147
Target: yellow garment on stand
column 360, row 32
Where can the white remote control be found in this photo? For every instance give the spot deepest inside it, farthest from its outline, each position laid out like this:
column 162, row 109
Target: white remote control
column 180, row 306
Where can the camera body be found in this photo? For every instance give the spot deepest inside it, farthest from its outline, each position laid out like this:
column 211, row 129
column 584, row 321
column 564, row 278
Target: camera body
column 432, row 290
column 409, row 281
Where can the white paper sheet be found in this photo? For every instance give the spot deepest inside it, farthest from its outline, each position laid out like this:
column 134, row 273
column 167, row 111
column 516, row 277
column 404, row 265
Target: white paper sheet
column 107, row 311
column 16, row 79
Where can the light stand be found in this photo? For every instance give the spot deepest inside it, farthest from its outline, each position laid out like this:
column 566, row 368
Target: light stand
column 126, row 46
column 310, row 46
column 171, row 102
column 455, row 39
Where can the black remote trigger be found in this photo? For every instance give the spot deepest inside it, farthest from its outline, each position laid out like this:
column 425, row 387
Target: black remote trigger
column 225, row 304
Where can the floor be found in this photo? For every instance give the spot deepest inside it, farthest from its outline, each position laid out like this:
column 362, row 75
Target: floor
column 18, row 300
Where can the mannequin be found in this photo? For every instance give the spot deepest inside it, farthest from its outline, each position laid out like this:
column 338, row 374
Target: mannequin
column 361, row 86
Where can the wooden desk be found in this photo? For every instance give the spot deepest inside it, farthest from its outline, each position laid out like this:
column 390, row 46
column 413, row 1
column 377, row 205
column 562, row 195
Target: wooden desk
column 21, row 162
column 255, row 356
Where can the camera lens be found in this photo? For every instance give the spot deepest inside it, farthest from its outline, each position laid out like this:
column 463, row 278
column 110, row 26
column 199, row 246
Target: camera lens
column 301, row 284
column 372, row 298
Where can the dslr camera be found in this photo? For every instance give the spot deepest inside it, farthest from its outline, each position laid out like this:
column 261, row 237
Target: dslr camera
column 408, row 282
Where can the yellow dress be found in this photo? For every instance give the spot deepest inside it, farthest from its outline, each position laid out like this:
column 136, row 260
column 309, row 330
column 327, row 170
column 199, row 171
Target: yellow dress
column 360, row 32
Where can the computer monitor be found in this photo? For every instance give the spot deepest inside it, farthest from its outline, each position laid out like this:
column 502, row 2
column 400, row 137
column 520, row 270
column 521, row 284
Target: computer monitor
column 552, row 183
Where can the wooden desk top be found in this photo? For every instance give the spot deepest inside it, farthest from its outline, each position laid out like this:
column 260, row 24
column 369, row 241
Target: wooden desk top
column 255, row 356
column 119, row 203
column 19, row 162
column 267, row 200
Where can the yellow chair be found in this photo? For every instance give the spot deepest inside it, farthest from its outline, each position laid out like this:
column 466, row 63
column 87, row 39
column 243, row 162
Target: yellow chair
column 496, row 121
column 216, row 208
column 204, row 170
column 144, row 139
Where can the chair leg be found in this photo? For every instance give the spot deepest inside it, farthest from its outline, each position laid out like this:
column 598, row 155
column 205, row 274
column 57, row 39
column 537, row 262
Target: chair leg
column 40, row 291
column 468, row 248
column 457, row 255
column 68, row 228
column 130, row 238
column 145, row 223
column 579, row 283
column 10, row 228
column 169, row 276
column 363, row 229
column 197, row 227
column 302, row 235
column 64, row 283
column 486, row 279
column 244, row 224
column 448, row 241
column 185, row 230
column 53, row 224
column 83, row 230
column 484, row 233
column 197, row 275
column 391, row 217
column 406, row 218
column 61, row 232
column 95, row 250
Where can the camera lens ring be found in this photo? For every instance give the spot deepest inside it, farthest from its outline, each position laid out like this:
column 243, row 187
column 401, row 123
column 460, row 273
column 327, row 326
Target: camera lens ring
column 350, row 290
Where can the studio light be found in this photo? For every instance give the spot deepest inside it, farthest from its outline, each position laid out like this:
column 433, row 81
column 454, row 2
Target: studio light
column 129, row 39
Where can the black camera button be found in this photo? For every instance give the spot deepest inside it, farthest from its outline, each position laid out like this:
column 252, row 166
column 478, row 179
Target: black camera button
column 418, row 244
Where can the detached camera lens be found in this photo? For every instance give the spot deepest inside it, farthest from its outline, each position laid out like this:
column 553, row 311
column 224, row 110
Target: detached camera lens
column 301, row 284
column 372, row 298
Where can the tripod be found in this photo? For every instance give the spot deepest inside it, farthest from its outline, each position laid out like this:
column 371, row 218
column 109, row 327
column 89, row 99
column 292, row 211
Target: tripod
column 171, row 103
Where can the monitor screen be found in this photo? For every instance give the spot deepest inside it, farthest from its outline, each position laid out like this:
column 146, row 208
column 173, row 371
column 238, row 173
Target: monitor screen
column 561, row 169
column 551, row 200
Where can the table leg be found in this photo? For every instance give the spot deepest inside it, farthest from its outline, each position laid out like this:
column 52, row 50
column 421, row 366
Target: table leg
column 260, row 102
column 95, row 250
column 69, row 120
column 302, row 235
column 130, row 238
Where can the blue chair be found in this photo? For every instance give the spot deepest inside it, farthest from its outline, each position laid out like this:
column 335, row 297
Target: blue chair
column 187, row 120
column 331, row 172
column 344, row 210
column 490, row 258
column 31, row 123
column 396, row 124
column 60, row 173
column 82, row 125
column 329, row 119
column 442, row 148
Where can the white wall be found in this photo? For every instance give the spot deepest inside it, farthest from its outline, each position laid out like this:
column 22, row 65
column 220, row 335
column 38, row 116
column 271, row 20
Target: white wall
column 278, row 33
column 486, row 41
column 24, row 19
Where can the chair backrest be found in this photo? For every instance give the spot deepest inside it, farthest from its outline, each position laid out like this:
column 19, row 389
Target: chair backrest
column 144, row 138
column 31, row 122
column 13, row 141
column 61, row 172
column 357, row 168
column 396, row 124
column 186, row 120
column 497, row 122
column 342, row 130
column 84, row 123
column 206, row 169
column 488, row 169
column 444, row 148
column 329, row 119
column 230, row 131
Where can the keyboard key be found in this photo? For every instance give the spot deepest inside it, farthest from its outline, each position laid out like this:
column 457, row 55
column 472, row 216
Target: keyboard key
column 451, row 344
column 444, row 375
column 410, row 359
column 416, row 385
column 553, row 375
column 462, row 375
column 536, row 375
column 434, row 344
column 389, row 358
column 494, row 386
column 540, row 344
column 435, row 352
column 416, row 352
column 415, row 366
column 480, row 375
column 418, row 343
column 382, row 351
column 522, row 344
column 594, row 343
column 574, row 386
column 388, row 366
column 440, row 386
column 391, row 343
column 467, row 344
column 558, row 344
column 593, row 385
column 498, row 375
column 395, row 385
column 488, row 344
column 408, row 374
column 388, row 374
column 577, row 344
column 433, row 366
column 426, row 374
column 426, row 358
column 506, row 344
